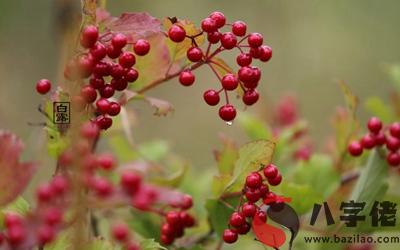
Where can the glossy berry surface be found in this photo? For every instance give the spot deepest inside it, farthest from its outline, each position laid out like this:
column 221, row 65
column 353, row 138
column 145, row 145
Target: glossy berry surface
column 176, row 33
column 43, row 86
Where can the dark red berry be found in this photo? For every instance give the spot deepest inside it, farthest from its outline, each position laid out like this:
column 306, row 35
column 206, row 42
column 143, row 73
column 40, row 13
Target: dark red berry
column 88, row 93
column 44, row 193
column 127, row 59
column 214, row 37
column 211, row 97
column 53, row 216
column 176, row 33
column 96, row 82
column 102, row 69
column 228, row 40
column 237, row 220
column 89, row 36
column 113, row 52
column 12, row 219
column 104, row 122
column 249, row 210
column 250, row 97
column 120, row 232
column 275, row 181
column 130, row 182
column 119, row 84
column 262, row 216
column 265, row 53
column 255, row 40
column 187, row 202
column 115, row 108
column 239, row 28
column 107, row 92
column 355, row 148
column 264, row 189
column 131, row 75
column 227, row 112
column 117, row 71
column 166, row 239
column 255, row 52
column 98, row 51
column 243, row 59
column 219, row 19
column 167, row 229
column 106, row 161
column 395, row 129
column 254, row 180
column 368, row 141
column 141, row 47
column 102, row 187
column 244, row 229
column 103, row 105
column 374, row 125
column 393, row 159
column 187, row 219
column 45, row 234
column 194, row 54
column 59, row 183
column 119, row 41
column 85, row 65
column 392, row 143
column 173, row 218
column 246, row 74
column 186, row 78
column 230, row 82
column 380, row 139
column 253, row 195
column 16, row 235
column 43, row 86
column 271, row 171
column 208, row 25
column 230, row 236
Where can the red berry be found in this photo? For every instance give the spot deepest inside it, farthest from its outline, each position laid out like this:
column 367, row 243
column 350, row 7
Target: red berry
column 368, row 141
column 255, row 40
column 89, row 36
column 230, row 82
column 211, row 97
column 119, row 84
column 187, row 202
column 219, row 19
column 239, row 28
column 88, row 93
column 113, row 52
column 275, row 181
column 194, row 54
column 227, row 112
column 254, row 180
column 85, row 65
column 44, row 193
column 176, row 33
column 355, row 148
column 102, row 69
column 120, row 232
column 59, row 183
column 131, row 75
column 237, row 220
column 166, row 239
column 255, row 52
column 230, row 236
column 249, row 210
column 12, row 220
column 395, row 129
column 16, row 235
column 98, row 51
column 380, row 139
column 130, row 182
column 262, row 216
column 104, row 122
column 228, row 40
column 45, row 234
column 106, row 161
column 253, row 195
column 107, row 91
column 392, row 143
column 173, row 218
column 43, row 86
column 393, row 159
column 186, row 78
column 115, row 108
column 209, row 25
column 127, row 59
column 374, row 125
column 271, row 171
column 264, row 189
column 187, row 219
column 250, row 97
column 243, row 59
column 214, row 37
column 103, row 105
column 53, row 216
column 265, row 53
column 244, row 229
column 117, row 71
column 96, row 82
column 102, row 187
column 141, row 47
column 167, row 229
column 119, row 41
column 246, row 74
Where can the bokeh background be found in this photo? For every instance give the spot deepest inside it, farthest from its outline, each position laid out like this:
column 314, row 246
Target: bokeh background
column 315, row 44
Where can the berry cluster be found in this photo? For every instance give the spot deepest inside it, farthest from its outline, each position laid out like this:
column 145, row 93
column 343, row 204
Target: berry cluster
column 176, row 222
column 250, row 47
column 255, row 191
column 379, row 136
column 108, row 66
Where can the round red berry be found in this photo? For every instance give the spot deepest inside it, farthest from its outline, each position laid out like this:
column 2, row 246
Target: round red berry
column 380, row 138
column 186, row 78
column 119, row 84
column 270, row 171
column 230, row 236
column 141, row 47
column 214, row 37
column 89, row 36
column 255, row 40
column 43, row 86
column 230, row 82
column 227, row 112
column 88, row 93
column 392, row 143
column 176, row 33
column 106, row 161
column 250, row 97
column 253, row 195
column 113, row 52
column 262, row 216
column 16, row 235
column 239, row 28
column 244, row 229
column 264, row 53
column 244, row 59
column 166, row 239
column 355, row 148
column 237, row 220
column 103, row 105
column 374, row 125
column 44, row 193
column 187, row 219
column 102, row 187
column 131, row 75
column 368, row 141
column 130, row 182
column 395, row 129
column 119, row 41
column 219, row 18
column 249, row 210
column 98, row 51
column 120, row 232
column 194, row 54
column 115, row 108
column 173, row 218
column 254, row 180
column 211, row 97
column 393, row 159
column 187, row 202
column 208, row 25
column 275, row 181
column 45, row 234
column 104, row 122
column 97, row 82
column 228, row 40
column 127, row 59
column 107, row 91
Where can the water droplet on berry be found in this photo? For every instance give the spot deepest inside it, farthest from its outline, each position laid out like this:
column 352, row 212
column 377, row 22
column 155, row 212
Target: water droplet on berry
column 229, row 123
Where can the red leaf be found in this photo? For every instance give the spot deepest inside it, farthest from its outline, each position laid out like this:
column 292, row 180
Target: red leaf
column 267, row 234
column 14, row 175
column 134, row 25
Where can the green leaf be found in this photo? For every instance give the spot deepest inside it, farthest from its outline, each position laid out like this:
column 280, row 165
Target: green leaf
column 177, row 169
column 251, row 157
column 226, row 157
column 298, row 192
column 145, row 224
column 219, row 214
column 150, row 244
column 122, row 149
column 371, row 186
column 101, row 244
column 154, row 150
column 254, row 128
column 378, row 108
